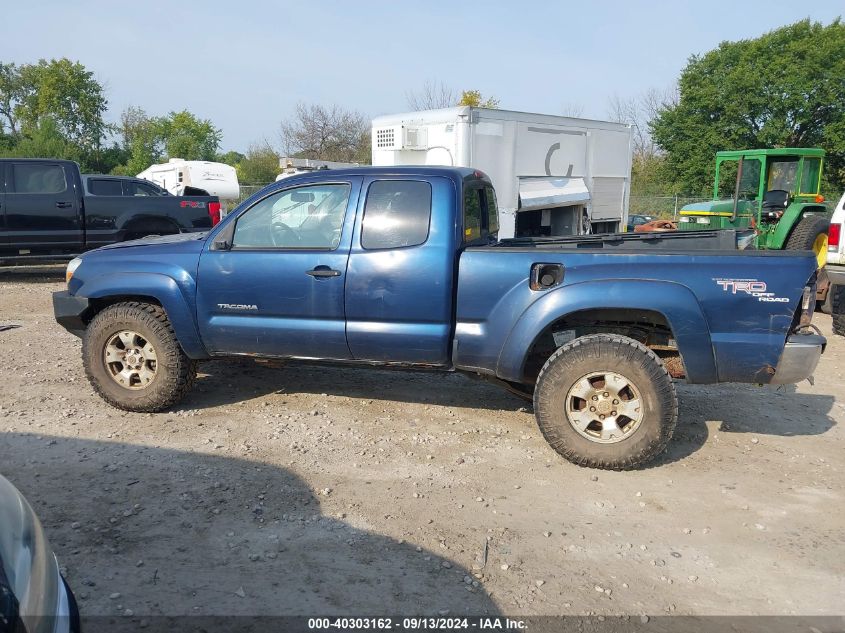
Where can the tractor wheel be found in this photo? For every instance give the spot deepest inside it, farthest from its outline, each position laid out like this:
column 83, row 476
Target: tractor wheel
column 810, row 235
column 837, row 294
column 606, row 401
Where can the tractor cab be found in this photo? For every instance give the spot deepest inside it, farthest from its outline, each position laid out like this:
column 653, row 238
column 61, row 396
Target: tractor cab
column 772, row 191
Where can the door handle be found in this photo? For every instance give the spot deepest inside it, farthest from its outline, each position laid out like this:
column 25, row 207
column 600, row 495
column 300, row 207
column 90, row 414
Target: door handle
column 323, row 271
column 64, row 205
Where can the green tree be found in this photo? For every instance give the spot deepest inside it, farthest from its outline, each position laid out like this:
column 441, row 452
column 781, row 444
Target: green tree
column 475, row 99
column 45, row 141
column 53, row 109
column 10, row 94
column 784, row 89
column 230, row 158
column 149, row 140
column 68, row 94
column 186, row 136
column 259, row 166
column 141, row 141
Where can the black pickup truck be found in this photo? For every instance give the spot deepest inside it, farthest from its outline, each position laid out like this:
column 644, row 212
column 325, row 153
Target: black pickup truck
column 46, row 211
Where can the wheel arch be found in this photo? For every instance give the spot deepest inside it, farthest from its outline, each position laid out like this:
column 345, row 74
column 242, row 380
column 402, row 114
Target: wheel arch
column 631, row 302
column 161, row 290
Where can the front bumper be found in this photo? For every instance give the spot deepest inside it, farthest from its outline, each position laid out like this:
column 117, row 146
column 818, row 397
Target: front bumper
column 799, row 358
column 70, row 311
column 836, row 274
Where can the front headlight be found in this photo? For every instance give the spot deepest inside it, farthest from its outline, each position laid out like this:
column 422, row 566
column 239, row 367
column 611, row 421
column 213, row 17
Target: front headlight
column 71, row 268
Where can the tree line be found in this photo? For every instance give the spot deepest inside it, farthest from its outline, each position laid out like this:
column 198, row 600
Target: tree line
column 785, row 88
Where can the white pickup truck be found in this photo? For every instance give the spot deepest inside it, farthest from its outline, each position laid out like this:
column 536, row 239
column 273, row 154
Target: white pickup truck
column 835, row 267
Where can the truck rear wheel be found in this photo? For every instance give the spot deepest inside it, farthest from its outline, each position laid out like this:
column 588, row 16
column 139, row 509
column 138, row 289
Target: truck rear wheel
column 606, row 401
column 133, row 359
column 837, row 294
column 810, row 235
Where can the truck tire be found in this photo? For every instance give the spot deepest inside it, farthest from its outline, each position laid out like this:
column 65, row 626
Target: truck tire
column 133, row 360
column 586, row 402
column 838, row 309
column 810, row 235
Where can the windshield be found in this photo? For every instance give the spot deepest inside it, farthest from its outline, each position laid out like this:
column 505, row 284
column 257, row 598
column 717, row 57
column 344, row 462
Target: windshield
column 749, row 186
column 783, row 174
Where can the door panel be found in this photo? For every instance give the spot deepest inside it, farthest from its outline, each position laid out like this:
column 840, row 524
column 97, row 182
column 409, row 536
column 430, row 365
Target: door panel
column 285, row 296
column 399, row 299
column 42, row 207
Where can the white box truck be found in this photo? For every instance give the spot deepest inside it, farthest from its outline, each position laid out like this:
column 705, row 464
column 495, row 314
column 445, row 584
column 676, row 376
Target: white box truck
column 554, row 175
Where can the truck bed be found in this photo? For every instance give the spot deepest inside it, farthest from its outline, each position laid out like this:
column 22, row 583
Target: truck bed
column 676, row 241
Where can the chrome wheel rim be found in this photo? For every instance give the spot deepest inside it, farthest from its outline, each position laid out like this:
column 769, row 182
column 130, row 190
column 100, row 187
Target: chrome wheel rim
column 130, row 360
column 604, row 407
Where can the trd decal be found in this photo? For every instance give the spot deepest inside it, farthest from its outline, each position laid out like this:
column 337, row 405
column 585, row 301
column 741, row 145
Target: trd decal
column 751, row 287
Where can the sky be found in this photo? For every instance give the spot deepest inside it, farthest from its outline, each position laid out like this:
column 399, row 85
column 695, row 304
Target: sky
column 245, row 65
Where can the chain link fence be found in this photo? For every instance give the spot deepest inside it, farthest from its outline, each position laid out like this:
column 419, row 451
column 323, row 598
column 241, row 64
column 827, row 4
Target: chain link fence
column 664, row 207
column 667, row 207
column 246, row 192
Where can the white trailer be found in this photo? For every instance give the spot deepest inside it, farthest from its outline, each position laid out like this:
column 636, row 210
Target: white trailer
column 553, row 175
column 189, row 177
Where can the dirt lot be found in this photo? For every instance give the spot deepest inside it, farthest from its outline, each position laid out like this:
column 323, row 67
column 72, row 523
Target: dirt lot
column 320, row 490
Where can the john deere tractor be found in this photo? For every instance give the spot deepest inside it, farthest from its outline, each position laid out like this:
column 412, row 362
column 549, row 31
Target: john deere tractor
column 773, row 191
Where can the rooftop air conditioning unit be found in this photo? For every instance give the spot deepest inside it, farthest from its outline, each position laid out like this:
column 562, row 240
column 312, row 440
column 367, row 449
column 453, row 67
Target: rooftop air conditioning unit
column 400, row 137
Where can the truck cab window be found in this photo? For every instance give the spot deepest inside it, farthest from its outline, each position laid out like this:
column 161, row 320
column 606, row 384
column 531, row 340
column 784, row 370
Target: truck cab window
column 140, row 189
column 38, row 178
column 397, row 214
column 472, row 215
column 304, row 217
column 104, row 187
column 492, row 210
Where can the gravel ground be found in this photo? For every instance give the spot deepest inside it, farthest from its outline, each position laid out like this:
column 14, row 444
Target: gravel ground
column 314, row 490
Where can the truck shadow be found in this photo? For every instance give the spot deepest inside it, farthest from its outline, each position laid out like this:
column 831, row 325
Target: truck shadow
column 231, row 381
column 745, row 409
column 185, row 533
column 48, row 273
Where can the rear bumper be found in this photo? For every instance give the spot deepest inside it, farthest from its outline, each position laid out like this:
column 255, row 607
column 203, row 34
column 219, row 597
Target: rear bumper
column 798, row 361
column 836, row 273
column 70, row 312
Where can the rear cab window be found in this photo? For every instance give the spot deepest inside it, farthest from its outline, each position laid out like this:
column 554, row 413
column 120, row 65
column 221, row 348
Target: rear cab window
column 480, row 213
column 104, row 187
column 397, row 214
column 135, row 188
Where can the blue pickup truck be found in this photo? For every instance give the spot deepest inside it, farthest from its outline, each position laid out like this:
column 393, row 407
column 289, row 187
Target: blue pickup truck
column 400, row 266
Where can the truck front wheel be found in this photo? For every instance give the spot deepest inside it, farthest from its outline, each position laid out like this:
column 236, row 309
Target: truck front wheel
column 133, row 359
column 606, row 401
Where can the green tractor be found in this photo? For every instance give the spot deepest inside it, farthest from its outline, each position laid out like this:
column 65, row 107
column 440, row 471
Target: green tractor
column 773, row 191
